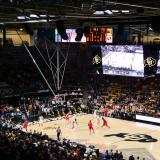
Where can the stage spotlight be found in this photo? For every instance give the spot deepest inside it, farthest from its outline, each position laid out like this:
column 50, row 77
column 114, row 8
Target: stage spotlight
column 79, row 32
column 61, row 30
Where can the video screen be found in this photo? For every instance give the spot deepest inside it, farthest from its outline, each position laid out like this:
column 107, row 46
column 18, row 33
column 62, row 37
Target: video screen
column 71, row 36
column 158, row 64
column 124, row 60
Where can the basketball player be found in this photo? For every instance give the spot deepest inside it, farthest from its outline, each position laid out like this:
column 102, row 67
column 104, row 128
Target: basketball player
column 95, row 113
column 90, row 125
column 98, row 120
column 67, row 117
column 74, row 121
column 41, row 120
column 105, row 123
column 105, row 111
column 25, row 125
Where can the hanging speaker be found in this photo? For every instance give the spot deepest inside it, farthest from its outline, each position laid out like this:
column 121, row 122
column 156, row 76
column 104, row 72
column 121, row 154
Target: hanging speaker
column 86, row 30
column 79, row 32
column 61, row 30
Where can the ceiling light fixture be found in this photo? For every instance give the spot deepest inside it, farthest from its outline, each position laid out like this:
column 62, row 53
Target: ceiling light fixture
column 125, row 11
column 52, row 16
column 98, row 13
column 108, row 12
column 22, row 17
column 115, row 11
column 34, row 21
column 33, row 16
column 43, row 16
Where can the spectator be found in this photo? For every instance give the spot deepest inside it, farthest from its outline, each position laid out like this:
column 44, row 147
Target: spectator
column 131, row 157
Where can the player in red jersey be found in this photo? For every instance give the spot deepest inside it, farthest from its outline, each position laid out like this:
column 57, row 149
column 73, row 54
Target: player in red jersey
column 25, row 124
column 90, row 125
column 105, row 111
column 105, row 123
column 67, row 116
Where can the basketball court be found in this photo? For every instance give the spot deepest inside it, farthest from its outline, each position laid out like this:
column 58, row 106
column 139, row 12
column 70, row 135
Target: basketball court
column 135, row 138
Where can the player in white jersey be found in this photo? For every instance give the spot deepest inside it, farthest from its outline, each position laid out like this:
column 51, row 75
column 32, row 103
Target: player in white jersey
column 41, row 120
column 74, row 121
column 98, row 120
column 95, row 113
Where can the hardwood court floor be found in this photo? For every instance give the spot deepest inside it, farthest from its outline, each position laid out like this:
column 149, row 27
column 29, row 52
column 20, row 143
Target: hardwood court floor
column 129, row 137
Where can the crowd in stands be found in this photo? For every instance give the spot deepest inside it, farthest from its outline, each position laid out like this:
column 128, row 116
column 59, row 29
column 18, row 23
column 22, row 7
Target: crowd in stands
column 121, row 95
column 16, row 145
column 22, row 73
column 23, row 77
column 124, row 97
column 34, row 107
column 19, row 144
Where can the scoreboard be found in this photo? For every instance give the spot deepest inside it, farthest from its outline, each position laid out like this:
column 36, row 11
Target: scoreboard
column 100, row 35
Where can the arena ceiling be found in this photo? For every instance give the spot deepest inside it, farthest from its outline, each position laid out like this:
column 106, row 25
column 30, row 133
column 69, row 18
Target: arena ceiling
column 78, row 11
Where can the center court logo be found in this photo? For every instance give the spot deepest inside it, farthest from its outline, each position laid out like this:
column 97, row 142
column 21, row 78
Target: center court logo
column 144, row 138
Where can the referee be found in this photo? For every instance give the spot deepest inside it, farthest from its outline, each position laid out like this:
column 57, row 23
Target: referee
column 58, row 130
